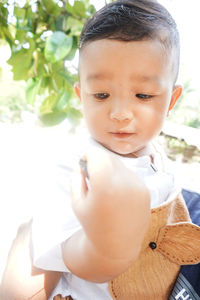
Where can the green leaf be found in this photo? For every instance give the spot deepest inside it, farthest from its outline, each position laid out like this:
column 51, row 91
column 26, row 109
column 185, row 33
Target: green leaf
column 59, row 23
column 20, row 35
column 30, row 13
column 45, row 81
column 58, row 46
column 79, row 8
column 74, row 25
column 32, row 44
column 3, row 15
column 48, row 104
column 56, row 80
column 74, row 115
column 86, row 2
column 71, row 54
column 8, row 36
column 56, row 67
column 71, row 79
column 19, row 12
column 33, row 86
column 40, row 63
column 62, row 102
column 53, row 118
column 70, row 8
column 51, row 6
column 21, row 62
column 74, row 49
column 91, row 9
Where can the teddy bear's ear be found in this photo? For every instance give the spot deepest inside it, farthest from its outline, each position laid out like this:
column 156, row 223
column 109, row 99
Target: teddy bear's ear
column 180, row 243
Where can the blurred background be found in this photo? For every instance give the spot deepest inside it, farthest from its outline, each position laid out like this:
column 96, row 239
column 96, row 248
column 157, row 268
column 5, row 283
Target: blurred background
column 38, row 68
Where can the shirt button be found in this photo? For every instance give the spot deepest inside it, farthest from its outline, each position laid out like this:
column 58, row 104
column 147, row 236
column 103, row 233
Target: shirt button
column 152, row 245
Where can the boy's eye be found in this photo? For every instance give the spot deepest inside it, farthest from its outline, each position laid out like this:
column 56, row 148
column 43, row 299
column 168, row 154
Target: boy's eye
column 144, row 96
column 101, row 96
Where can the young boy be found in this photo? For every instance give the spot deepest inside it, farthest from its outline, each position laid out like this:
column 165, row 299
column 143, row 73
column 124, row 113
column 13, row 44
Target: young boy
column 129, row 231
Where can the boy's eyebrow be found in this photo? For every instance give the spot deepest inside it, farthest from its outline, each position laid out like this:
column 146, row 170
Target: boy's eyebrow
column 139, row 78
column 98, row 76
column 145, row 78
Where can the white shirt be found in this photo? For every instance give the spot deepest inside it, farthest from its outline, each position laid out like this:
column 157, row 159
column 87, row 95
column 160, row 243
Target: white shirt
column 56, row 221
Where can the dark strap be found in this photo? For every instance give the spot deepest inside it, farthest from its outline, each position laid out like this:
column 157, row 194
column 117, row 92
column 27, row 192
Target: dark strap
column 59, row 297
column 187, row 285
column 192, row 200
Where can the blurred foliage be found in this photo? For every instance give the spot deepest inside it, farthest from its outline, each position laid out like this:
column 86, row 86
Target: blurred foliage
column 11, row 108
column 43, row 35
column 179, row 150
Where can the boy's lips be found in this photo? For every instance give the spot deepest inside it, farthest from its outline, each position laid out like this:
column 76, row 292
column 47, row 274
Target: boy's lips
column 122, row 134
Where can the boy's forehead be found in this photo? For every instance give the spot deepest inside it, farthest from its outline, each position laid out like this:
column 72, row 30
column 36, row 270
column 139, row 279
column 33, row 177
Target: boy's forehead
column 98, row 58
column 105, row 47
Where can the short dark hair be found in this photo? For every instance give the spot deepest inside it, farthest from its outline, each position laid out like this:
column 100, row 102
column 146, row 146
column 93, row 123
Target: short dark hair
column 134, row 20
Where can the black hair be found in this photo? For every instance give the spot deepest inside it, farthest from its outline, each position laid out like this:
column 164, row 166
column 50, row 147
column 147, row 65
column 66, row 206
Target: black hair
column 134, row 20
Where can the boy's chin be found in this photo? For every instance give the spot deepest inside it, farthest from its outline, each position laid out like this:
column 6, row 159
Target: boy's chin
column 124, row 151
column 129, row 150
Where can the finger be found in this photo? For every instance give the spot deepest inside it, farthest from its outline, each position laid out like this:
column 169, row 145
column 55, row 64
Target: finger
column 98, row 162
column 83, row 165
column 85, row 179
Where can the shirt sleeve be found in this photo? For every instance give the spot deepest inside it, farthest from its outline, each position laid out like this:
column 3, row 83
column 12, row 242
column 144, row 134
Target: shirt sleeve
column 54, row 220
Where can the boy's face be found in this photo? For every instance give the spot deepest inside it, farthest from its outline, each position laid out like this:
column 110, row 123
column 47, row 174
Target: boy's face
column 126, row 89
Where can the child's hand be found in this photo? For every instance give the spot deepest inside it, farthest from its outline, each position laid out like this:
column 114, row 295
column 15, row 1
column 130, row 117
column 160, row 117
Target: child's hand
column 114, row 213
column 114, row 210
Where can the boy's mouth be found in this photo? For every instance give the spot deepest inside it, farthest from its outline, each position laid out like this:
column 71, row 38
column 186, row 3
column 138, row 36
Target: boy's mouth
column 122, row 134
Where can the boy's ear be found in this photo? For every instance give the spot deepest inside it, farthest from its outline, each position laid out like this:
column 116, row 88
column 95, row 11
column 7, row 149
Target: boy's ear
column 77, row 90
column 177, row 91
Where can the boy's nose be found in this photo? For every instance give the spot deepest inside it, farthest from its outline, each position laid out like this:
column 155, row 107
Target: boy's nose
column 121, row 114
